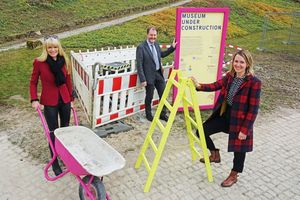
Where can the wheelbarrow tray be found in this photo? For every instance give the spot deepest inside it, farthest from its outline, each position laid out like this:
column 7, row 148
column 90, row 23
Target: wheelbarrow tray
column 91, row 152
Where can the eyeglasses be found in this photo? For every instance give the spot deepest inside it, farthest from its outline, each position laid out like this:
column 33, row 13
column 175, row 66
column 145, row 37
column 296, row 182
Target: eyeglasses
column 50, row 37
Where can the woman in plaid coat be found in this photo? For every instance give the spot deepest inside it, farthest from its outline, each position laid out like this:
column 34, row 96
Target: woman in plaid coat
column 234, row 112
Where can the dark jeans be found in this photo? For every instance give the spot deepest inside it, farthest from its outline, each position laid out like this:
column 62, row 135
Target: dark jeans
column 238, row 161
column 160, row 85
column 221, row 124
column 51, row 114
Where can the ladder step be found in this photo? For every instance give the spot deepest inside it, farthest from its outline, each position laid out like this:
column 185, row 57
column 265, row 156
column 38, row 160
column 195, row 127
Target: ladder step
column 153, row 145
column 193, row 121
column 160, row 125
column 197, row 152
column 195, row 138
column 188, row 101
column 146, row 163
column 175, row 83
column 168, row 105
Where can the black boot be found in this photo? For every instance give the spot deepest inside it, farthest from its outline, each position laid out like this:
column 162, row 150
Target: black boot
column 149, row 113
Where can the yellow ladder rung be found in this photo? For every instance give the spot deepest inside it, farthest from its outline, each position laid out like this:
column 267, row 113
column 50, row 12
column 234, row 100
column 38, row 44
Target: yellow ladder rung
column 160, row 125
column 146, row 163
column 188, row 101
column 168, row 105
column 153, row 145
column 175, row 83
column 194, row 136
column 192, row 121
column 197, row 152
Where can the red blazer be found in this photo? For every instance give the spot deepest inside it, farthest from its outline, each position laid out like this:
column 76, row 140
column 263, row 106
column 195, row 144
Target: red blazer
column 50, row 92
column 243, row 111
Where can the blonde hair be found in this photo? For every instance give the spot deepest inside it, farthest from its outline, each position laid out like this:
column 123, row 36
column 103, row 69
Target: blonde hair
column 54, row 42
column 248, row 59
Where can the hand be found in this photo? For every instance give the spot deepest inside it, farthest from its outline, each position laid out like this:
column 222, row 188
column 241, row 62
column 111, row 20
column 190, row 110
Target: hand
column 35, row 104
column 242, row 136
column 144, row 84
column 72, row 104
column 196, row 83
column 174, row 43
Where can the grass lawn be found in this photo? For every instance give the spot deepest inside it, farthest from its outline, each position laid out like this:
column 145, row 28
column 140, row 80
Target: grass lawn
column 18, row 17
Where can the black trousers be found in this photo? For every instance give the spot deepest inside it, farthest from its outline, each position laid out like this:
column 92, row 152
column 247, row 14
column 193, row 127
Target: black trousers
column 221, row 124
column 63, row 110
column 160, row 85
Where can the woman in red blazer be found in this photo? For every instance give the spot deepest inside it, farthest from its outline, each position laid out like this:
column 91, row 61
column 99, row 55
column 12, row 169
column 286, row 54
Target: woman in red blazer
column 234, row 112
column 53, row 68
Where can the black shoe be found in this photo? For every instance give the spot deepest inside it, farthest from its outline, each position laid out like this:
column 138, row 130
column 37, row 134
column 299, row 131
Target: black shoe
column 57, row 170
column 164, row 117
column 149, row 117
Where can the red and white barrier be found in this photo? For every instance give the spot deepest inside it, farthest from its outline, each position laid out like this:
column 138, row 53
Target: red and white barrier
column 233, row 47
column 110, row 97
column 226, row 63
column 165, row 46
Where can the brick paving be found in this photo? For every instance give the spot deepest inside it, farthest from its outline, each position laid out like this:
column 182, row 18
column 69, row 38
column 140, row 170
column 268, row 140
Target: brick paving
column 272, row 171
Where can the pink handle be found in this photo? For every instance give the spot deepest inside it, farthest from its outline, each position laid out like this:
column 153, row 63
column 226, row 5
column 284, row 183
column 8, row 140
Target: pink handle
column 75, row 116
column 47, row 131
column 47, row 134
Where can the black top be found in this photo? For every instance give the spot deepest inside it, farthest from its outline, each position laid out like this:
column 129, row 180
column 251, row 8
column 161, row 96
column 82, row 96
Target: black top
column 236, row 83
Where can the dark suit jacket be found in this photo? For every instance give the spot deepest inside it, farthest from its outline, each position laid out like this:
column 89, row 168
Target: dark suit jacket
column 145, row 62
column 244, row 109
column 50, row 92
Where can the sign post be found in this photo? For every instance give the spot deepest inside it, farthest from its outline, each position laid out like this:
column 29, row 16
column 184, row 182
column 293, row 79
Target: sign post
column 201, row 34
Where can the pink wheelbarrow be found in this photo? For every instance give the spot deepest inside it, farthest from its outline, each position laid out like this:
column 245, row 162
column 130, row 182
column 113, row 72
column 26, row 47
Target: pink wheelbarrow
column 84, row 154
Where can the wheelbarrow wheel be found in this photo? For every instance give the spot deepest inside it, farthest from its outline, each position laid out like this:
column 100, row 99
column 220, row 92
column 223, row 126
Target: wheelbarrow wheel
column 96, row 187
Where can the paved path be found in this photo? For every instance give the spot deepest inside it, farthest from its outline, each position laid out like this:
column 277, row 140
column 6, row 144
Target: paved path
column 100, row 25
column 272, row 171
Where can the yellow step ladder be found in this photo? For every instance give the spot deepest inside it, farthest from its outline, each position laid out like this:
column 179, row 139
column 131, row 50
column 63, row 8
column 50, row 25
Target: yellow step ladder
column 182, row 85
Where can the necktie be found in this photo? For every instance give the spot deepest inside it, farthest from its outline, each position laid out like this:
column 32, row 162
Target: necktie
column 155, row 58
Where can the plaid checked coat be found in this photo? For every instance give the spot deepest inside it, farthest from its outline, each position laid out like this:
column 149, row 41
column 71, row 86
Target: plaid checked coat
column 243, row 111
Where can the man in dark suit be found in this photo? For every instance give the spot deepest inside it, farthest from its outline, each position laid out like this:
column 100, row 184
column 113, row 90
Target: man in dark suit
column 150, row 72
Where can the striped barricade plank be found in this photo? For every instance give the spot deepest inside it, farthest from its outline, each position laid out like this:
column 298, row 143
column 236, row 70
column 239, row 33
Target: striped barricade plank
column 121, row 97
column 110, row 117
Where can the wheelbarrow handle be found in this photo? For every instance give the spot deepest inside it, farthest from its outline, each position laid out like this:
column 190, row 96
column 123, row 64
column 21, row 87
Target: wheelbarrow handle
column 46, row 129
column 47, row 134
column 75, row 116
column 45, row 126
